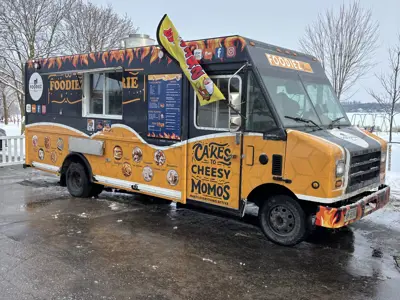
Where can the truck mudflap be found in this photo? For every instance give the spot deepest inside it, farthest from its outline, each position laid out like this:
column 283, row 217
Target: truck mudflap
column 332, row 217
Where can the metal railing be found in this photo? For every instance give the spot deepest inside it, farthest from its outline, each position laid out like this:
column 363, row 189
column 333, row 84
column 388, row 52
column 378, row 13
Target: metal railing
column 12, row 150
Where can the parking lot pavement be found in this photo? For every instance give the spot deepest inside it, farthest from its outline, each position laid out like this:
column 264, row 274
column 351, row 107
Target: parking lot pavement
column 120, row 246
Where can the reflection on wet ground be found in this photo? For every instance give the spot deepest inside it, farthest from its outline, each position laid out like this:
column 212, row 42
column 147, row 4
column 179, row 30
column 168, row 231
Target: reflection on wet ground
column 121, row 246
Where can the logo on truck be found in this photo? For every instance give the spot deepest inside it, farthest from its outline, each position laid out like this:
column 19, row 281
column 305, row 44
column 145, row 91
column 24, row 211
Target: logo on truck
column 35, row 86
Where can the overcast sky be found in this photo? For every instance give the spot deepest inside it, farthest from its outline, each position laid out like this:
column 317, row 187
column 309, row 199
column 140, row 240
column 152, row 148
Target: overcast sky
column 275, row 22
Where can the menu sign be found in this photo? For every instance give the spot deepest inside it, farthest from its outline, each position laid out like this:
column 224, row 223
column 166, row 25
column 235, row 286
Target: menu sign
column 164, row 106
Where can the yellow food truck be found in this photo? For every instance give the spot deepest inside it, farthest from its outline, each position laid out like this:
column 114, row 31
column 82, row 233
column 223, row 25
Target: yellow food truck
column 130, row 119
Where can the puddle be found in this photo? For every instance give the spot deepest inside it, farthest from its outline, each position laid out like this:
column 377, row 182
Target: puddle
column 38, row 183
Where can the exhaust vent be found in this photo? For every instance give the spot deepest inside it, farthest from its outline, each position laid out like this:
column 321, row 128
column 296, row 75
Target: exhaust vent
column 137, row 40
column 277, row 165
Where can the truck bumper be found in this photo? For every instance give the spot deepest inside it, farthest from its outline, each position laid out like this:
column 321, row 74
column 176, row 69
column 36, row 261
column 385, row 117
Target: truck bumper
column 333, row 217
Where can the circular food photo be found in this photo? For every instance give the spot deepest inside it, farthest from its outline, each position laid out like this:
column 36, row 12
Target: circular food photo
column 41, row 154
column 172, row 177
column 60, row 144
column 34, row 141
column 53, row 156
column 137, row 154
column 147, row 174
column 47, row 142
column 126, row 169
column 118, row 152
column 159, row 158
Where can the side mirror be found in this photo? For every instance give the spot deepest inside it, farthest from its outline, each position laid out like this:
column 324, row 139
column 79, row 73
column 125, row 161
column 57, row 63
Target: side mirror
column 235, row 122
column 234, row 100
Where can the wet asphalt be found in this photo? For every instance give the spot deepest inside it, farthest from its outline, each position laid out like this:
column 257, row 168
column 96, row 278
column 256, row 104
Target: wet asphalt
column 121, row 246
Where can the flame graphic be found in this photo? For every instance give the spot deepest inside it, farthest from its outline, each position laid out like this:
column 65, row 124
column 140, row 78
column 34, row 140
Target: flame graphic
column 59, row 62
column 92, row 57
column 196, row 45
column 104, row 58
column 130, row 55
column 145, row 52
column 234, row 41
column 154, row 54
column 169, row 60
column 75, row 60
column 84, row 58
column 118, row 55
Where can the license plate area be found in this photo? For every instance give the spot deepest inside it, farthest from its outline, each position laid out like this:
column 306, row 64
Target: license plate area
column 351, row 214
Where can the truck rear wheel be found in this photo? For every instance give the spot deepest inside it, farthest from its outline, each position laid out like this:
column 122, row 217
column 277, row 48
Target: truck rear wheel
column 78, row 183
column 283, row 220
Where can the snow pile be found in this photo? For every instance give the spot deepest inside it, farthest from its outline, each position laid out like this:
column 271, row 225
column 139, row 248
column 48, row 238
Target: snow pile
column 11, row 129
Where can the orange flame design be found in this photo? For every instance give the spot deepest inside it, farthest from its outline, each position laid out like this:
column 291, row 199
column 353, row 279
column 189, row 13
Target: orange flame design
column 130, row 55
column 51, row 61
column 137, row 52
column 196, row 45
column 59, row 62
column 118, row 55
column 154, row 54
column 84, row 58
column 92, row 57
column 75, row 60
column 146, row 51
column 30, row 64
column 104, row 58
column 234, row 41
column 169, row 60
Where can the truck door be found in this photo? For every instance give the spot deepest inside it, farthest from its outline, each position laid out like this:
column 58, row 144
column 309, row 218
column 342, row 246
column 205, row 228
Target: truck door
column 214, row 148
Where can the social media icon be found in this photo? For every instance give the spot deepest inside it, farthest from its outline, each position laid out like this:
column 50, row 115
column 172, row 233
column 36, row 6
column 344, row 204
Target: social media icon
column 39, row 109
column 231, row 52
column 28, row 108
column 43, row 109
column 208, row 54
column 220, row 52
column 198, row 54
column 34, row 108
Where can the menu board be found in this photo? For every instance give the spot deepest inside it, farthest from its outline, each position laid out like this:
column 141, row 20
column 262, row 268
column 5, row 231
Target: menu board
column 164, row 106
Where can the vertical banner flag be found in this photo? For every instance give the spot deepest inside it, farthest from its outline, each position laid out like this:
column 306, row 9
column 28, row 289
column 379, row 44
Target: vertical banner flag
column 207, row 92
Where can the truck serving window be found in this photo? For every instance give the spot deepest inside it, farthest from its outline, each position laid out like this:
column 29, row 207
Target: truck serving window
column 216, row 115
column 102, row 95
column 258, row 115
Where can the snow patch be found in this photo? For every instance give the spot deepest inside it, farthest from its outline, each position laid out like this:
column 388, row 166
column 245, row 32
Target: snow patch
column 114, row 206
column 83, row 215
column 209, row 260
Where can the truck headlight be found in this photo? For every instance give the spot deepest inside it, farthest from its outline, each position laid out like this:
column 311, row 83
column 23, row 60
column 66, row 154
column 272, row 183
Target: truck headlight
column 383, row 156
column 340, row 168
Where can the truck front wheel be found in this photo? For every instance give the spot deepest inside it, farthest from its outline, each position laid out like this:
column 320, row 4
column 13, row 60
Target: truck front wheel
column 283, row 220
column 78, row 183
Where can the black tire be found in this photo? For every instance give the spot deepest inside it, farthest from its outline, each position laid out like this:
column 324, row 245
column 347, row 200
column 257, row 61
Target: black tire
column 96, row 190
column 78, row 182
column 283, row 221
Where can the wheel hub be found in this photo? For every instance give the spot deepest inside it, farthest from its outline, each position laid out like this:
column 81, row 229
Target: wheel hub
column 281, row 219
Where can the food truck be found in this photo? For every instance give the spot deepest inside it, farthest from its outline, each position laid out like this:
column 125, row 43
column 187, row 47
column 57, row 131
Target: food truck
column 131, row 119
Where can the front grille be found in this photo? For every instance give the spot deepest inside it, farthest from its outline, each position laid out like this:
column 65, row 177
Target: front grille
column 364, row 170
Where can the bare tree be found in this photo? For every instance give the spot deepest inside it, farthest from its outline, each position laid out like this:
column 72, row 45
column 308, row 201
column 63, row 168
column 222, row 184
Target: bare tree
column 91, row 28
column 390, row 83
column 28, row 29
column 344, row 43
column 7, row 103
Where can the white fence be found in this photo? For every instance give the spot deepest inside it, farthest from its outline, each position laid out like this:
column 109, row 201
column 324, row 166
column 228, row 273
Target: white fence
column 12, row 150
column 379, row 121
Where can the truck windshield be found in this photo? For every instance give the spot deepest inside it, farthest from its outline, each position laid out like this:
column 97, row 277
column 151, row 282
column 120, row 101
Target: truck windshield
column 306, row 96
